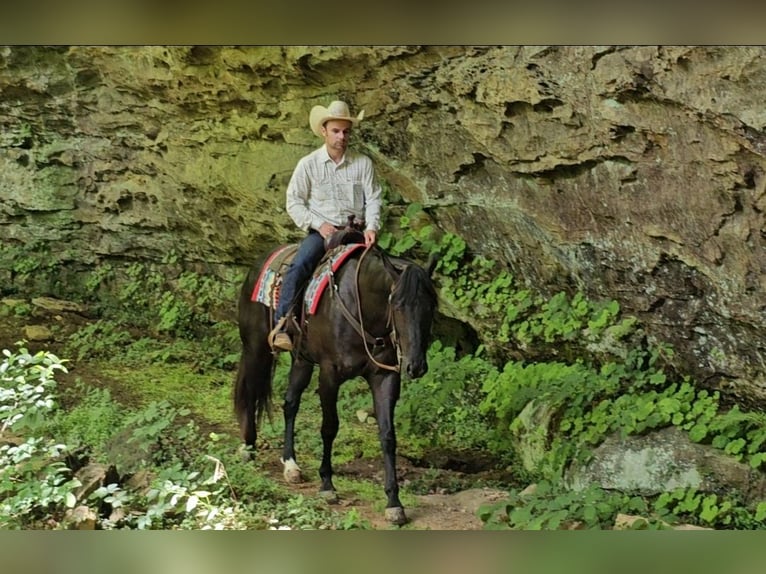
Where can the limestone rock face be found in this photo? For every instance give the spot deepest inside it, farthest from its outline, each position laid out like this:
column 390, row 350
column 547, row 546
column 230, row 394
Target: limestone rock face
column 635, row 173
column 665, row 460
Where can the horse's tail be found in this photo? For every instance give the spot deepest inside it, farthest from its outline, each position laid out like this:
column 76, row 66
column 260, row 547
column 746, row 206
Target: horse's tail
column 253, row 390
column 253, row 383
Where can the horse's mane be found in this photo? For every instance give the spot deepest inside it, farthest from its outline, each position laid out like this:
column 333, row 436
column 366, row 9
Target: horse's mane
column 414, row 286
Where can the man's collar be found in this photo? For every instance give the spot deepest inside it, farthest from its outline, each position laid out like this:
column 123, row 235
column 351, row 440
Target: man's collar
column 326, row 156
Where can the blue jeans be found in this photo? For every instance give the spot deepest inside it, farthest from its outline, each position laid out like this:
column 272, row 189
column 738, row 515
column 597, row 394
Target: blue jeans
column 307, row 257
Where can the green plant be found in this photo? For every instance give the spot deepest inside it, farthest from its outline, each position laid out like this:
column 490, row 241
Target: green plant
column 301, row 513
column 19, row 309
column 441, row 409
column 101, row 276
column 26, row 388
column 103, row 338
column 589, row 404
column 91, row 422
column 31, row 265
column 151, row 429
column 181, row 498
column 34, row 482
column 713, row 510
column 550, row 507
column 34, row 479
column 738, row 433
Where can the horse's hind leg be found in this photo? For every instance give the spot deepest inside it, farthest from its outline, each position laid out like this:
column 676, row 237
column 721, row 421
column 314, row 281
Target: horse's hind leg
column 300, row 376
column 385, row 393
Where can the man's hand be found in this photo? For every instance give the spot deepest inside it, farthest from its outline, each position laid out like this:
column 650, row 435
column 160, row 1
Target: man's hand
column 370, row 237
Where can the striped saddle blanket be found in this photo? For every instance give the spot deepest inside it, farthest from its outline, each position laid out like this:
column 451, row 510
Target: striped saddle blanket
column 268, row 285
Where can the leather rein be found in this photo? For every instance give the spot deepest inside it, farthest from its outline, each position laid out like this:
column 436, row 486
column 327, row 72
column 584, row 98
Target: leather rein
column 358, row 324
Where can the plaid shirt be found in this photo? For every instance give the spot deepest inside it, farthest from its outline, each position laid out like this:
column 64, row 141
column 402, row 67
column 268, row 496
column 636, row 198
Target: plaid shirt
column 322, row 191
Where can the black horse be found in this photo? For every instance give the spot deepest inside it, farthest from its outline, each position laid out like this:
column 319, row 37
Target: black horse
column 374, row 321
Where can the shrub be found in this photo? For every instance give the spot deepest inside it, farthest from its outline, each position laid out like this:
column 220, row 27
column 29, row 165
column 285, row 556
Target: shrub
column 34, row 479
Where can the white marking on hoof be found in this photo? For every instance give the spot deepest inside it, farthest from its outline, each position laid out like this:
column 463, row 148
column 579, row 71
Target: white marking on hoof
column 395, row 515
column 330, row 496
column 291, row 472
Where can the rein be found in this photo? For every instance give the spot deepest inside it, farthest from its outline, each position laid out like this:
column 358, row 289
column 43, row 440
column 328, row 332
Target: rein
column 358, row 324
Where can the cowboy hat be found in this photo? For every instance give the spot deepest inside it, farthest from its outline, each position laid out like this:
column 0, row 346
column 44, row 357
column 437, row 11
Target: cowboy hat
column 337, row 110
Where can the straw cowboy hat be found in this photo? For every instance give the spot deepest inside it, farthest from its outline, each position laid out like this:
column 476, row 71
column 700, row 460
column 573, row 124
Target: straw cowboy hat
column 335, row 111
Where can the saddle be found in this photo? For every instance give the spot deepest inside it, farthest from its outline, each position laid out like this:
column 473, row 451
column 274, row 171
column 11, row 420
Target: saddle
column 353, row 232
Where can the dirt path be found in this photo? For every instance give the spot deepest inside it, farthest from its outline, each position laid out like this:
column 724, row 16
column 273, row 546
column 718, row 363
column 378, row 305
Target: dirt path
column 434, row 511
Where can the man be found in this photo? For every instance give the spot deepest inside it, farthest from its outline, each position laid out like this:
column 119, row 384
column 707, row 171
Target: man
column 327, row 186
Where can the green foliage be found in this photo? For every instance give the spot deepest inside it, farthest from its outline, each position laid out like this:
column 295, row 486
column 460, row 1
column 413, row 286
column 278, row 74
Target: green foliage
column 25, row 260
column 739, row 434
column 91, row 422
column 26, row 388
column 550, row 507
column 102, row 338
column 562, row 318
column 34, row 480
column 301, row 513
column 99, row 277
column 169, row 304
column 425, row 240
column 206, row 392
column 708, row 509
column 441, row 408
column 20, row 309
column 616, row 387
column 179, row 498
column 152, row 422
column 34, row 483
column 150, row 432
column 169, row 299
column 189, row 483
column 471, row 284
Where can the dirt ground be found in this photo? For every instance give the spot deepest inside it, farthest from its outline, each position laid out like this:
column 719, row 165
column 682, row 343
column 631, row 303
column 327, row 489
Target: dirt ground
column 441, row 507
column 437, row 510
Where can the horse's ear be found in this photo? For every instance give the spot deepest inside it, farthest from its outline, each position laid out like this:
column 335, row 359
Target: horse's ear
column 433, row 259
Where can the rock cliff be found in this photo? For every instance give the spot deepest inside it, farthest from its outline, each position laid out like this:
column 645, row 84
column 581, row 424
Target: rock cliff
column 634, row 173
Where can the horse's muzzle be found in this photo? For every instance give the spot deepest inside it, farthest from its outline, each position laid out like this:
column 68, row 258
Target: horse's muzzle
column 416, row 370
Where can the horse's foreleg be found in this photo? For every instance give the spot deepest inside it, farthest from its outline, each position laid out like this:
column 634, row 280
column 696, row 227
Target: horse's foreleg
column 328, row 395
column 300, row 376
column 385, row 393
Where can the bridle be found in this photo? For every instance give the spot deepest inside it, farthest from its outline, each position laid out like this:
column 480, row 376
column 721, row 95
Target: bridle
column 358, row 324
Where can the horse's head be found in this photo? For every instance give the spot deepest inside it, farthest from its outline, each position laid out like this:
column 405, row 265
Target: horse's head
column 413, row 305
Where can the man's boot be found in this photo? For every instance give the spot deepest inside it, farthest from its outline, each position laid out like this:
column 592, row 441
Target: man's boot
column 278, row 339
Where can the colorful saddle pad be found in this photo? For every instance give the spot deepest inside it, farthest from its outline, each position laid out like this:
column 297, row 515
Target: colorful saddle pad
column 321, row 278
column 269, row 282
column 268, row 286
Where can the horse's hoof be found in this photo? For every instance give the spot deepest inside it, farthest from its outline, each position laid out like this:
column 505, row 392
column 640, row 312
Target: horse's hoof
column 293, row 476
column 395, row 515
column 246, row 453
column 329, row 496
column 292, row 472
